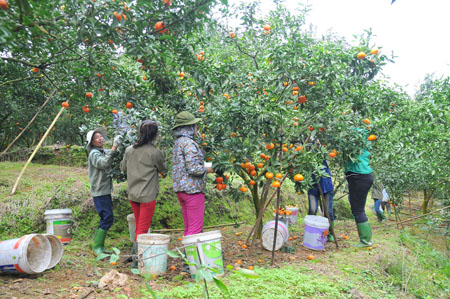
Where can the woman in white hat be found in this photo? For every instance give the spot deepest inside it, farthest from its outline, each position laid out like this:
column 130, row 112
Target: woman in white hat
column 99, row 161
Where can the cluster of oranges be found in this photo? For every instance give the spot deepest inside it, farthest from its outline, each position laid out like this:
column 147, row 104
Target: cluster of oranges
column 160, row 27
column 200, row 56
column 333, row 153
column 220, row 182
column 86, row 108
column 282, row 211
column 362, row 55
column 4, row 4
column 202, row 107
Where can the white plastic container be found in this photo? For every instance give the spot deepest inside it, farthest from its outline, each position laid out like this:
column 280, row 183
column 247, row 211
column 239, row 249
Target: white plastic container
column 293, row 216
column 316, row 231
column 29, row 254
column 268, row 234
column 131, row 226
column 59, row 224
column 57, row 250
column 204, row 249
column 285, row 218
column 152, row 252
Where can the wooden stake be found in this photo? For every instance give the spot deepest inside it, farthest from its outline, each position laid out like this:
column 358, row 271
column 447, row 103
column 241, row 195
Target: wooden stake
column 35, row 150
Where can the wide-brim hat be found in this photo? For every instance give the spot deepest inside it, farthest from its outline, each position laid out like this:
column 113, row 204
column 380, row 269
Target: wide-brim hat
column 91, row 133
column 185, row 118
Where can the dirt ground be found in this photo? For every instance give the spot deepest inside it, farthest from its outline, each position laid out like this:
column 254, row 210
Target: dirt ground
column 74, row 276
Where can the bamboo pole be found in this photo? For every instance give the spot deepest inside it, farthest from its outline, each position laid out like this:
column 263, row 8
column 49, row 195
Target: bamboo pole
column 417, row 217
column 206, row 227
column 35, row 150
column 31, row 121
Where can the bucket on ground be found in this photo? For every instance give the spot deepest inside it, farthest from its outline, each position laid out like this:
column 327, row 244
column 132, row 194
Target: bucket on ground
column 57, row 250
column 152, row 252
column 316, row 231
column 59, row 224
column 131, row 226
column 29, row 254
column 268, row 234
column 293, row 216
column 204, row 249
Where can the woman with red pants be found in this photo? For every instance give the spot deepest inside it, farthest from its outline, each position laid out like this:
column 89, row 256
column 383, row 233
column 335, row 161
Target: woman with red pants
column 143, row 162
column 189, row 172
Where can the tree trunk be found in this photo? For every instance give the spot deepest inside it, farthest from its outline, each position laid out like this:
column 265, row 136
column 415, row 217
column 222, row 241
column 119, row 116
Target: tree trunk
column 427, row 194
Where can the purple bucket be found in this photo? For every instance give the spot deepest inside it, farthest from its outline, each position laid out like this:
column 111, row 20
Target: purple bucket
column 316, row 231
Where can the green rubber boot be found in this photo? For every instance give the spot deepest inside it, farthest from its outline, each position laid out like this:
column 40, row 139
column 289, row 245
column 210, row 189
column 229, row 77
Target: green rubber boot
column 381, row 217
column 330, row 237
column 134, row 249
column 99, row 241
column 365, row 234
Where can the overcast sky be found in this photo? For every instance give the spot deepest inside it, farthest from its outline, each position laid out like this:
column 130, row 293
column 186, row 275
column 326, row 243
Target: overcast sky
column 418, row 31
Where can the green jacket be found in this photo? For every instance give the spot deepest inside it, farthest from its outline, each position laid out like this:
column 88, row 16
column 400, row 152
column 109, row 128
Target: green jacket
column 99, row 163
column 143, row 165
column 361, row 165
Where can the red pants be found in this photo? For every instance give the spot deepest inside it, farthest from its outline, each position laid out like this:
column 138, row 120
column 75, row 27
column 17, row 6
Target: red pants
column 143, row 214
column 193, row 209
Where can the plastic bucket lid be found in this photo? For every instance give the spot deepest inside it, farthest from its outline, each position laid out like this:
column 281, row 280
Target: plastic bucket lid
column 201, row 237
column 317, row 221
column 153, row 239
column 58, row 211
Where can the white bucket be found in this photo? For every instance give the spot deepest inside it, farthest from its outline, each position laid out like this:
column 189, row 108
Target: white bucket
column 152, row 252
column 29, row 254
column 316, row 231
column 59, row 224
column 57, row 250
column 268, row 234
column 293, row 216
column 131, row 226
column 204, row 249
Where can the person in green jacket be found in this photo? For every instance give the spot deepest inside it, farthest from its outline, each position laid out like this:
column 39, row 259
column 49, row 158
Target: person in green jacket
column 143, row 163
column 99, row 162
column 360, row 178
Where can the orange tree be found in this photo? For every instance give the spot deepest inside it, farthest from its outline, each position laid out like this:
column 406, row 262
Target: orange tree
column 413, row 154
column 270, row 91
column 98, row 54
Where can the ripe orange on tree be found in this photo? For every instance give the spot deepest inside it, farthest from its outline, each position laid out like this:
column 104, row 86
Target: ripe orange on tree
column 167, row 3
column 35, row 70
column 301, row 99
column 276, row 184
column 232, row 34
column 269, row 175
column 65, row 104
column 219, row 180
column 372, row 138
column 298, row 177
column 279, row 176
column 263, row 156
column 374, row 52
column 260, row 165
column 332, row 154
column 114, row 111
column 4, row 4
column 267, row 27
column 366, row 121
column 270, row 146
column 129, row 105
column 252, row 182
column 311, row 128
column 361, row 55
column 253, row 173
